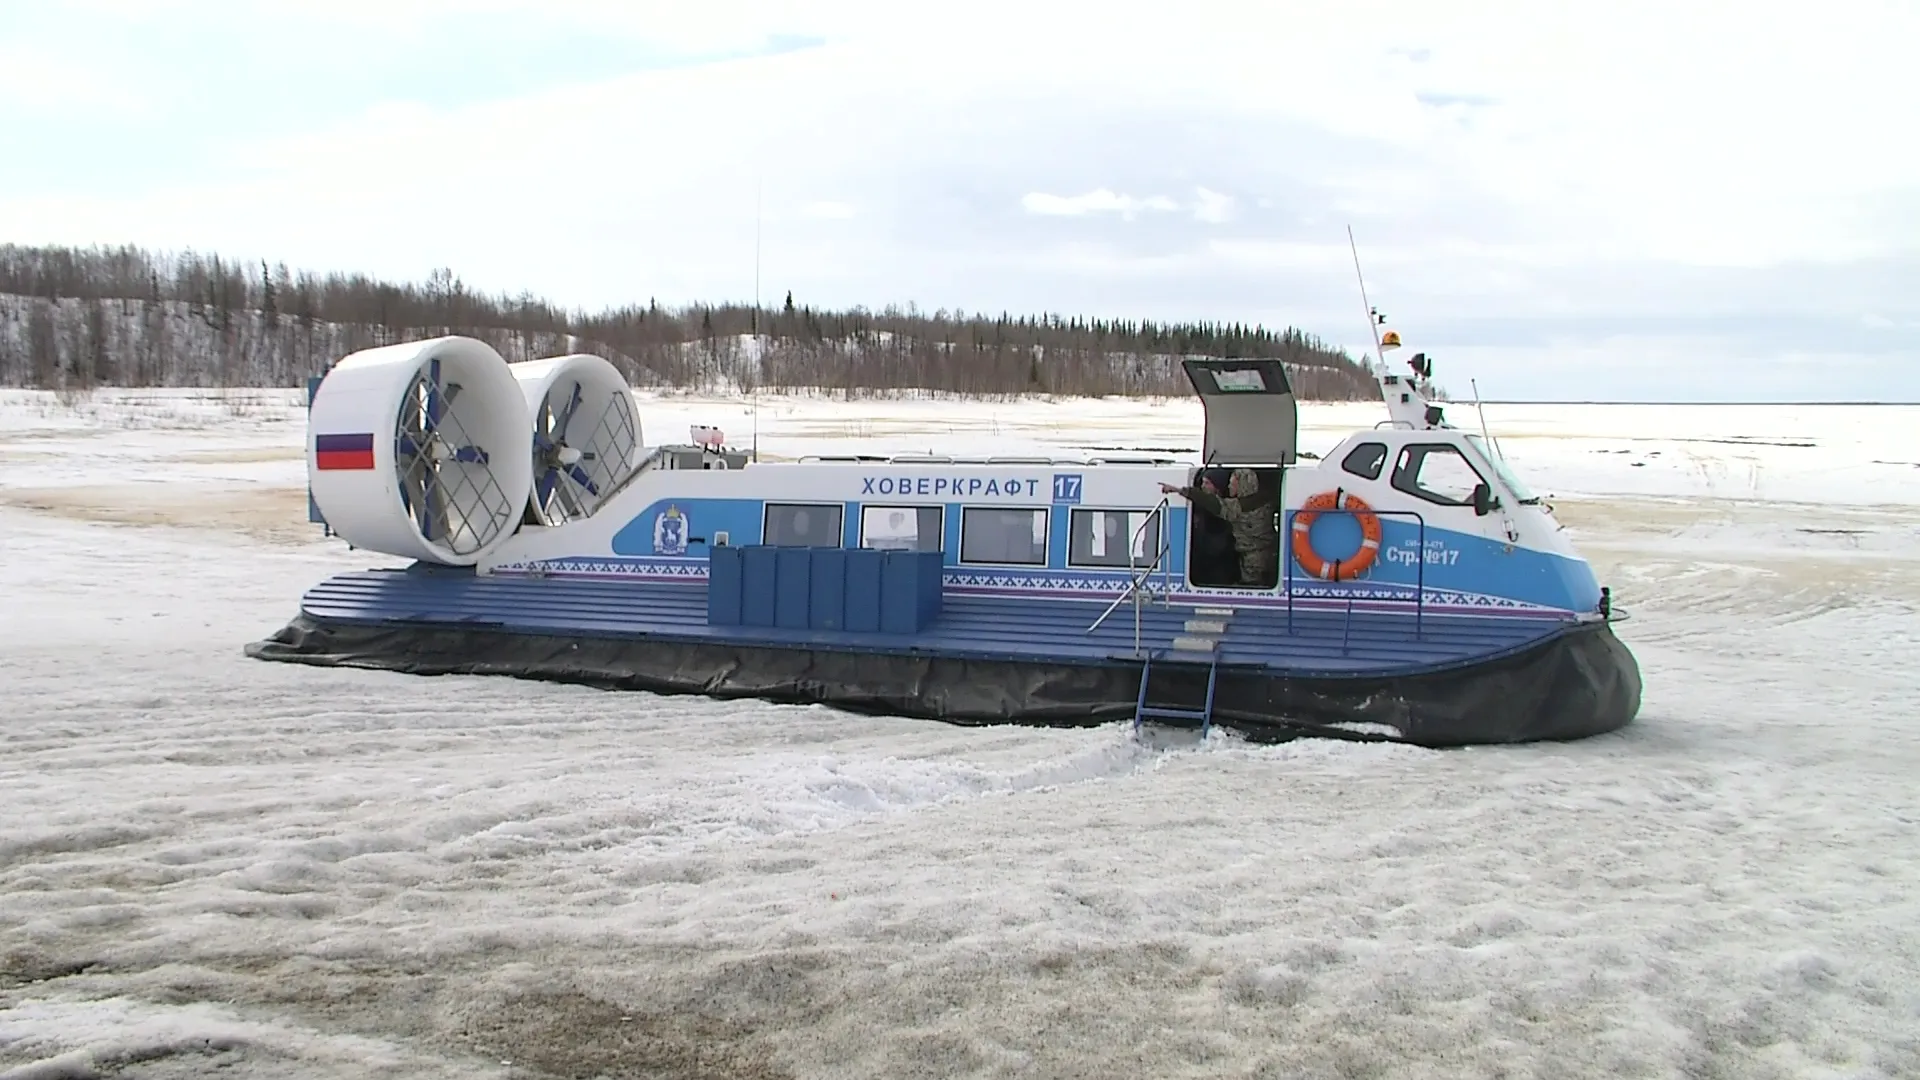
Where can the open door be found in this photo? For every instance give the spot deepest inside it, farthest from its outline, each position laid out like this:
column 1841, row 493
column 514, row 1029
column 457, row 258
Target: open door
column 1251, row 423
column 1251, row 418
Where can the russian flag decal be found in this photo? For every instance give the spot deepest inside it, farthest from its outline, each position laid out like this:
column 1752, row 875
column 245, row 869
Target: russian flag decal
column 343, row 451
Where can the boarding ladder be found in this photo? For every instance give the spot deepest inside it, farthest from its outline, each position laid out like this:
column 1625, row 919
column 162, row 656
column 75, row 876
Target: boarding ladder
column 1199, row 644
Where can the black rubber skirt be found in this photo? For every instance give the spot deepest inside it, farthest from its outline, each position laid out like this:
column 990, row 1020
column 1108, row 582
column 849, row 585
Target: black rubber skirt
column 1576, row 683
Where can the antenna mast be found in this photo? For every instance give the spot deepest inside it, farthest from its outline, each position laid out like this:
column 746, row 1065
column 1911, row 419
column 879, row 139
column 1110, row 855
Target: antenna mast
column 1482, row 409
column 759, row 347
column 756, row 259
column 1373, row 317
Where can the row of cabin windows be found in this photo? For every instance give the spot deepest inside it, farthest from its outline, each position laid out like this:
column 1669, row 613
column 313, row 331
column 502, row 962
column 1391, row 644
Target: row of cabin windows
column 1005, row 535
column 1436, row 472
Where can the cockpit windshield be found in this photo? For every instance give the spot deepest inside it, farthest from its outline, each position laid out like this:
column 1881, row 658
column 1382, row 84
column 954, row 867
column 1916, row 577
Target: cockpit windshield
column 1507, row 477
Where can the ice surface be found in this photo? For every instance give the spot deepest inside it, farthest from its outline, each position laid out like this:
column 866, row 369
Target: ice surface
column 209, row 862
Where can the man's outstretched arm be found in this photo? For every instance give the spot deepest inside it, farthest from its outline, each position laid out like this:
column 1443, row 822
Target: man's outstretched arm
column 1199, row 497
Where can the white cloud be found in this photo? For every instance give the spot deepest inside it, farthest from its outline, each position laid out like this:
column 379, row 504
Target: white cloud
column 1208, row 206
column 1212, row 207
column 706, row 27
column 1495, row 159
column 829, row 210
column 1098, row 201
column 1278, row 254
column 32, row 80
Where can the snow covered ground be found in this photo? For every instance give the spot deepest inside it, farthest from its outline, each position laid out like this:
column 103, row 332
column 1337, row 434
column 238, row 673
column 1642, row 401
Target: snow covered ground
column 211, row 862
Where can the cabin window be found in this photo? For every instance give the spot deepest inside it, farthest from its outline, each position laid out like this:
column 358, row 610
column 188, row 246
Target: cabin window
column 1366, row 460
column 1112, row 537
column 803, row 524
column 1506, row 475
column 1437, row 473
column 901, row 528
column 993, row 534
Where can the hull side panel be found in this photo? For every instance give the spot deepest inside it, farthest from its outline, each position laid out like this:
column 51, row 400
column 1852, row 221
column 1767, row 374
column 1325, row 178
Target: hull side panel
column 1439, row 680
column 1577, row 683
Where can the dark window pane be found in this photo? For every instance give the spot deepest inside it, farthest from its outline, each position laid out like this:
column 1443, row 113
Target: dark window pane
column 1113, row 537
column 901, row 528
column 1437, row 473
column 795, row 525
column 996, row 535
column 1366, row 460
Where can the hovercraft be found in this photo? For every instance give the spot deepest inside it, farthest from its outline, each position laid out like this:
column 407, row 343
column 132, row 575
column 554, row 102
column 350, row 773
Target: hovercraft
column 1413, row 588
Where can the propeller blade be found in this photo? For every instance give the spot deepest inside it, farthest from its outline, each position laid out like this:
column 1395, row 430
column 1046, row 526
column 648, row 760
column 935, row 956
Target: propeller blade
column 471, row 455
column 430, row 495
column 543, row 426
column 566, row 417
column 570, row 501
column 543, row 491
column 410, row 416
column 418, row 488
column 442, row 512
column 580, row 477
column 433, row 392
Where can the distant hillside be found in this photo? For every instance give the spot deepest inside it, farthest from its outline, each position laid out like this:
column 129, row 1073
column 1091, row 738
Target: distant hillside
column 72, row 318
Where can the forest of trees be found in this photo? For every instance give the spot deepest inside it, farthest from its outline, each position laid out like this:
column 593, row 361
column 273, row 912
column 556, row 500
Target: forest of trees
column 77, row 318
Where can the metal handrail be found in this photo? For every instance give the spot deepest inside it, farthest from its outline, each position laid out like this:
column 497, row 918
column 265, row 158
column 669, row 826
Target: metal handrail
column 1137, row 576
column 1159, row 514
column 1420, row 567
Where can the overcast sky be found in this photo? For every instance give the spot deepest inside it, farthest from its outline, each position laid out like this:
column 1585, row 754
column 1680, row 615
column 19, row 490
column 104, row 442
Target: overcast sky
column 1680, row 200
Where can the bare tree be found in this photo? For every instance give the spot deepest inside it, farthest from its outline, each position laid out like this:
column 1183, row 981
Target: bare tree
column 188, row 319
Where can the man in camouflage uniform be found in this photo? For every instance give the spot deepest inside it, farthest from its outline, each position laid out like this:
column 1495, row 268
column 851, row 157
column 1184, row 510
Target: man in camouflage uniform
column 1249, row 516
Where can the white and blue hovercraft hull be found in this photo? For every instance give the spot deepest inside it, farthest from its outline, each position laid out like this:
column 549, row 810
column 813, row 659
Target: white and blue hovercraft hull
column 992, row 591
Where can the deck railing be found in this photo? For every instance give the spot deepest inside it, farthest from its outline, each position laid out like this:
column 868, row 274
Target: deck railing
column 1138, row 576
column 1420, row 568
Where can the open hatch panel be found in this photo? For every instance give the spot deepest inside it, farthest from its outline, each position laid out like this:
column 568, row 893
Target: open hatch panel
column 1251, row 418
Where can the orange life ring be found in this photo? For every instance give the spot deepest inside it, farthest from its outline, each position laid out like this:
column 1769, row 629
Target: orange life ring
column 1334, row 570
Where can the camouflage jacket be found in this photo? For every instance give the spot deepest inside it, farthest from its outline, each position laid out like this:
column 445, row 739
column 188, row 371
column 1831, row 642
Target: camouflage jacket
column 1249, row 516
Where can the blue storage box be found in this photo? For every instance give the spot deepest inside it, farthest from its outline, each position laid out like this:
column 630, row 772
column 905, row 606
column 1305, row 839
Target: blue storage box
column 758, row 575
column 723, row 586
column 810, row 588
column 863, row 590
column 910, row 591
column 899, row 594
column 933, row 583
column 792, row 588
column 829, row 608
